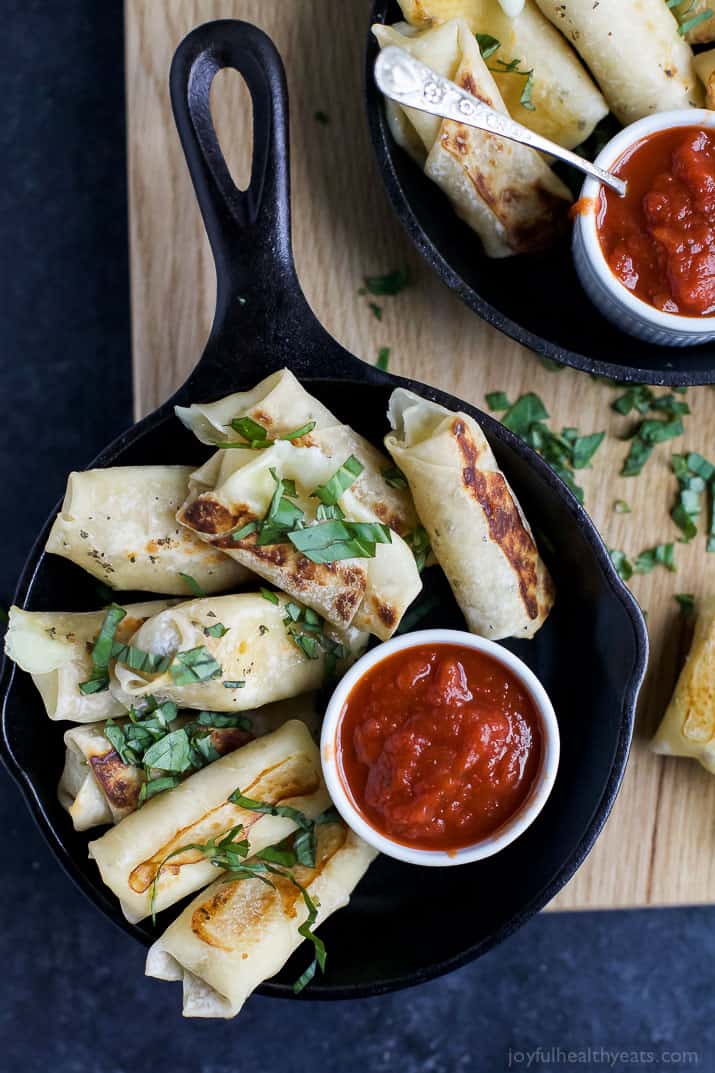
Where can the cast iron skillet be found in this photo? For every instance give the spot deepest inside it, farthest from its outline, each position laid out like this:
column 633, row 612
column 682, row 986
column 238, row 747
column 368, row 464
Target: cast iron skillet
column 405, row 924
column 538, row 299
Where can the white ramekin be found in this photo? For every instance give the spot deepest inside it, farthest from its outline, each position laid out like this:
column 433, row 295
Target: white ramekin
column 607, row 293
column 513, row 827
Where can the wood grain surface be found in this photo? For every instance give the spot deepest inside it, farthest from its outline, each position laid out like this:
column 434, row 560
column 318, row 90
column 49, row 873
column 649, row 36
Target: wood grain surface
column 658, row 847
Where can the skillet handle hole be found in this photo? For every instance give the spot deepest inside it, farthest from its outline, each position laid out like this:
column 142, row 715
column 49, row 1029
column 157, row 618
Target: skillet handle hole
column 232, row 116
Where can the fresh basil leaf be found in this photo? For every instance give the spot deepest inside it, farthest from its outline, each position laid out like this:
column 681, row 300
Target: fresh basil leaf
column 637, row 398
column 233, row 685
column 102, row 651
column 392, row 476
column 274, row 855
column 192, row 584
column 670, row 405
column 330, row 492
column 138, row 660
column 624, row 567
column 268, row 595
column 621, row 507
column 152, row 787
column 419, row 543
column 497, row 401
column 654, row 431
column 488, row 45
column 700, row 466
column 660, row 555
column 638, row 454
column 95, row 685
column 389, row 284
column 249, row 429
column 194, row 665
column 375, row 309
column 203, row 750
column 220, row 720
column 523, row 413
column 217, row 630
column 585, row 447
column 245, row 531
column 690, row 24
column 171, row 753
column 686, row 601
column 298, row 432
column 383, row 358
column 115, row 736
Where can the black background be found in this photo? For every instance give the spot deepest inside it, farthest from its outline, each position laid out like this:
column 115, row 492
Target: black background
column 73, row 996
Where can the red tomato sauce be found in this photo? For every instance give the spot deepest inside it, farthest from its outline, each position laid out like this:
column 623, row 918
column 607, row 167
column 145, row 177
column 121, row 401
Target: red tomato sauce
column 659, row 240
column 438, row 746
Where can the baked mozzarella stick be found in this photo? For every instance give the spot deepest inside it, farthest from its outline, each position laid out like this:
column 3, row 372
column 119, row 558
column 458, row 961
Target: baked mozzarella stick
column 476, row 527
column 688, row 726
column 55, row 648
column 111, row 768
column 240, row 932
column 504, row 191
column 303, row 502
column 143, row 859
column 231, row 653
column 119, row 524
column 565, row 102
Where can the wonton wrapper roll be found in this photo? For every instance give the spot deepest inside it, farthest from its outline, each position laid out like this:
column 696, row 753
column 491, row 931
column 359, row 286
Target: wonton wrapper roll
column 477, row 529
column 281, row 405
column 504, row 191
column 705, row 69
column 236, row 934
column 567, row 103
column 256, row 649
column 633, row 50
column 280, row 768
column 119, row 525
column 370, row 593
column 688, row 726
column 97, row 787
column 55, row 648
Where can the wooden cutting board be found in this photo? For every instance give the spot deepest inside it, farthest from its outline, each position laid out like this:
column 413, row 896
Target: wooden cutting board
column 658, row 847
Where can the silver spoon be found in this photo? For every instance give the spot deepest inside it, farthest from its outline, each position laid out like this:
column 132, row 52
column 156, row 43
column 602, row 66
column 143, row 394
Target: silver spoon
column 404, row 79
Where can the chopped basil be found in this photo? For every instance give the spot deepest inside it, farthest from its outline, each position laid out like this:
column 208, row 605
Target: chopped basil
column 419, row 543
column 282, row 515
column 256, row 436
column 268, row 595
column 621, row 507
column 194, row 665
column 233, row 685
column 584, row 448
column 298, row 432
column 222, row 720
column 157, row 786
column 245, row 531
column 171, row 753
column 394, row 477
column 321, row 117
column 102, row 651
column 331, row 541
column 686, row 601
column 488, row 45
column 383, row 358
column 249, row 429
column 661, row 554
column 217, row 630
column 376, row 310
column 514, row 67
column 330, row 492
column 304, row 847
column 192, row 584
column 227, row 853
column 497, row 400
column 523, row 413
column 624, row 568
column 689, row 24
column 668, row 404
column 389, row 284
column 138, row 660
column 94, row 685
column 637, row 398
column 306, row 630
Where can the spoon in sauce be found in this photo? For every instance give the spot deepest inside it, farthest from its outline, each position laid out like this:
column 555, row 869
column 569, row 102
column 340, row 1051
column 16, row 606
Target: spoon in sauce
column 413, row 84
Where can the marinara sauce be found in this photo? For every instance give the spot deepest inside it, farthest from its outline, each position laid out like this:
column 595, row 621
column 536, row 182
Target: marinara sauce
column 438, row 746
column 659, row 240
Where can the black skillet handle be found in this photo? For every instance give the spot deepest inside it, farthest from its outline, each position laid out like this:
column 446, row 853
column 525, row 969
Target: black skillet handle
column 262, row 318
column 249, row 230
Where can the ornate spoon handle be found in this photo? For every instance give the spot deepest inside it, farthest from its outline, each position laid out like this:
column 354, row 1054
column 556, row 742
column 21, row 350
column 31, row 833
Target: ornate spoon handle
column 404, row 79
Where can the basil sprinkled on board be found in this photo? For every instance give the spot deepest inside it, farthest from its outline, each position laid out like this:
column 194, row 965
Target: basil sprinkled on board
column 686, row 602
column 383, row 358
column 497, row 400
column 193, row 584
column 624, row 568
column 388, row 285
column 375, row 309
column 621, row 507
column 660, row 555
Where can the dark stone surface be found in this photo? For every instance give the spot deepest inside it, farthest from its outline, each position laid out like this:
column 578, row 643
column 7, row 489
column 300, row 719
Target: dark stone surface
column 73, row 996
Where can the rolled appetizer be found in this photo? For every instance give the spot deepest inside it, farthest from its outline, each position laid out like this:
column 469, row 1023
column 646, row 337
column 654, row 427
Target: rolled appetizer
column 241, row 931
column 112, row 768
column 688, row 726
column 119, row 524
column 231, row 653
column 56, row 648
column 705, row 70
column 476, row 527
column 540, row 78
column 504, row 191
column 154, row 857
column 306, row 507
column 634, row 51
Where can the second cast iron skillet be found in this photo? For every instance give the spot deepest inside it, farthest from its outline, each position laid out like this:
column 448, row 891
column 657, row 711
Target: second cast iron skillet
column 404, row 924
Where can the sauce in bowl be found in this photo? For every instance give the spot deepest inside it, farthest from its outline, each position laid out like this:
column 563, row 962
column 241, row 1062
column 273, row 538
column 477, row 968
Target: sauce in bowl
column 659, row 240
column 438, row 746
